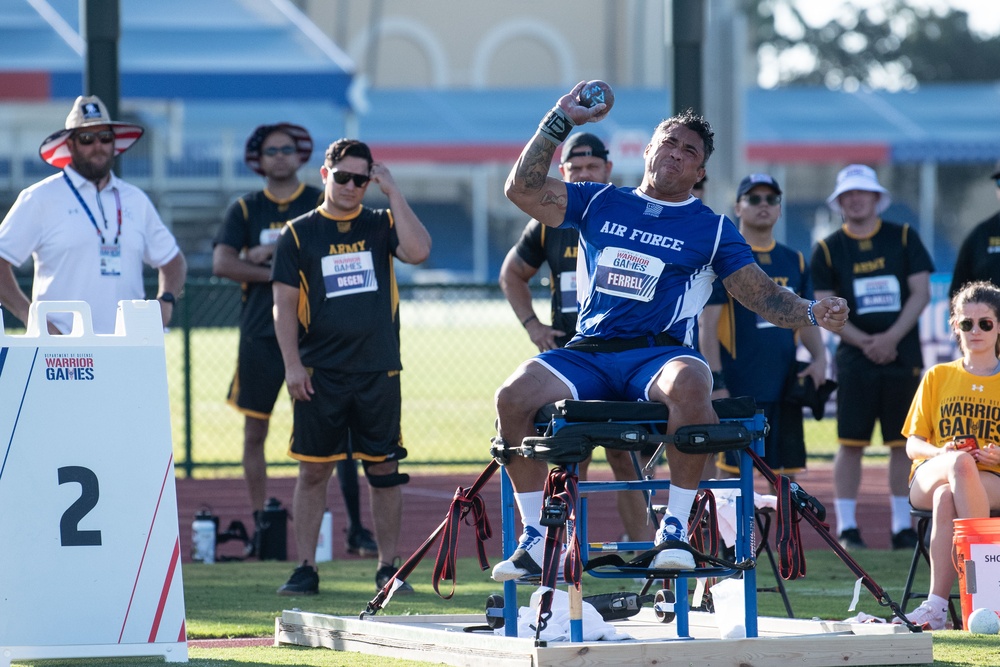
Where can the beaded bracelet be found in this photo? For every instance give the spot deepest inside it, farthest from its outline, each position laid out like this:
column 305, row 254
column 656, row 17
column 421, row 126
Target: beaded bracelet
column 812, row 316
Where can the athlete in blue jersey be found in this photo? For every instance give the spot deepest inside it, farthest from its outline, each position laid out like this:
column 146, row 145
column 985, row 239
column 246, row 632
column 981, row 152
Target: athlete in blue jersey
column 651, row 255
column 748, row 355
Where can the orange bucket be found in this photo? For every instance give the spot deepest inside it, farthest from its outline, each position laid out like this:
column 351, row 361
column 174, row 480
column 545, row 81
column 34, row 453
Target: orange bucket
column 977, row 559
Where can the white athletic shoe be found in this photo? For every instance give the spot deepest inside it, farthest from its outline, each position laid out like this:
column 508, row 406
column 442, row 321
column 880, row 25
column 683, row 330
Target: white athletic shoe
column 927, row 616
column 671, row 529
column 526, row 560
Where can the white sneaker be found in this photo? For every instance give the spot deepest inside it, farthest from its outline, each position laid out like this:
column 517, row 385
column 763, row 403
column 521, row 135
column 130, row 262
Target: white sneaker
column 927, row 616
column 526, row 560
column 672, row 530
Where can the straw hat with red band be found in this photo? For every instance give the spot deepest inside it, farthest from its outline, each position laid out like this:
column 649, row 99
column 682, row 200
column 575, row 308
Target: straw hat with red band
column 299, row 134
column 88, row 111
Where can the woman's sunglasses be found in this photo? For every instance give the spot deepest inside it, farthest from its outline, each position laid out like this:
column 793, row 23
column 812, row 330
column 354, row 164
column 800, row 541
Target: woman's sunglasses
column 87, row 138
column 984, row 325
column 342, row 177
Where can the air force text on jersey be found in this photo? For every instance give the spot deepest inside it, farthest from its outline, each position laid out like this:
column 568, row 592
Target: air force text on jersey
column 647, row 238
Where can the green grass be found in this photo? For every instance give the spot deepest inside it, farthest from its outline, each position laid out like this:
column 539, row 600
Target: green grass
column 455, row 355
column 238, row 600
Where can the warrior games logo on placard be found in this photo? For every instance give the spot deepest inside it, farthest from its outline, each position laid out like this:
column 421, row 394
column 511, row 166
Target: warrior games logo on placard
column 69, row 366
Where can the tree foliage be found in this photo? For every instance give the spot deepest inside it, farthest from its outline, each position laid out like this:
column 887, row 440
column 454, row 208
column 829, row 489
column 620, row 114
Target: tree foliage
column 893, row 46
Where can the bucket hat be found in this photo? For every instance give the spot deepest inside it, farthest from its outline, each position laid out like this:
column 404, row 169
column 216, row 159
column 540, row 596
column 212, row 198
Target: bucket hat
column 299, row 134
column 87, row 111
column 858, row 177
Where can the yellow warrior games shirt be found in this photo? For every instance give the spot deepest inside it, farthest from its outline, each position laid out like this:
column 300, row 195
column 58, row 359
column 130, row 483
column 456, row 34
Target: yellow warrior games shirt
column 950, row 402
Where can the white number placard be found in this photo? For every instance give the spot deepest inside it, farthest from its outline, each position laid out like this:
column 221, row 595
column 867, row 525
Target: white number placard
column 91, row 555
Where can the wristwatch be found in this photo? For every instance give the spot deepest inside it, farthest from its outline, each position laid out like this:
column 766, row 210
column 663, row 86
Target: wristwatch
column 167, row 297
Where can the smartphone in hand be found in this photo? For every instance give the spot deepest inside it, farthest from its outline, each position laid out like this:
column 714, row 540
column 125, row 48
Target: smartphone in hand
column 967, row 443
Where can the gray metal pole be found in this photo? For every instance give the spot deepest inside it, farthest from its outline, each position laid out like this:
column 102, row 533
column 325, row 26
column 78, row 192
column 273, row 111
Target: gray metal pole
column 689, row 31
column 101, row 27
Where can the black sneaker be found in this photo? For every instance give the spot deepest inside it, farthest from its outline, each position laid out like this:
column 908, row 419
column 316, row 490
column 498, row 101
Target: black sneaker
column 905, row 539
column 360, row 541
column 851, row 540
column 304, row 581
column 385, row 573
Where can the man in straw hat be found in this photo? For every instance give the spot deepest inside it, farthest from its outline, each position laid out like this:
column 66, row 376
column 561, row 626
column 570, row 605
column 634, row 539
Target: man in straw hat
column 87, row 230
column 883, row 270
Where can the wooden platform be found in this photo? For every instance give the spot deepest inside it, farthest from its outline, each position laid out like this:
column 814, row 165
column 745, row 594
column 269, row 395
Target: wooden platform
column 440, row 638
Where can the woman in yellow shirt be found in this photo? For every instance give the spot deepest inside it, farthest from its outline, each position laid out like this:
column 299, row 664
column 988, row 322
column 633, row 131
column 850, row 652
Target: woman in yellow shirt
column 953, row 474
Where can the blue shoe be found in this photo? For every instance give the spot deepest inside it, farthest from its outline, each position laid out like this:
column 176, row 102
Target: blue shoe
column 672, row 530
column 526, row 561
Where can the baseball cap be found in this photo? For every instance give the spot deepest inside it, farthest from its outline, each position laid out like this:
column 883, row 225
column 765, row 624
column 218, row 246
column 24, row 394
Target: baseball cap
column 996, row 170
column 583, row 144
column 299, row 134
column 753, row 180
column 858, row 177
column 87, row 111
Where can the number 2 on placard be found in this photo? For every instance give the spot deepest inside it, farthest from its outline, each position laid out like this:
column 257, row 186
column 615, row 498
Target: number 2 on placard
column 70, row 534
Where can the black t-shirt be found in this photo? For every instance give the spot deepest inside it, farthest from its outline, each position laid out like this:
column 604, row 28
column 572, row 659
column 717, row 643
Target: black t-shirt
column 979, row 255
column 257, row 219
column 348, row 297
column 872, row 274
column 539, row 245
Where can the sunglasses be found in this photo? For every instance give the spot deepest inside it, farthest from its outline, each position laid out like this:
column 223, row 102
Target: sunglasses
column 87, row 138
column 998, row 182
column 984, row 325
column 755, row 200
column 342, row 177
column 274, row 150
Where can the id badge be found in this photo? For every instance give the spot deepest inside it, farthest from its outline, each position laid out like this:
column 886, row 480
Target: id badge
column 269, row 236
column 111, row 260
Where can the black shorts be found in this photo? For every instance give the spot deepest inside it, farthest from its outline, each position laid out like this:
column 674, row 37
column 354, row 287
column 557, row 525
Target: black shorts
column 784, row 445
column 350, row 415
column 260, row 372
column 867, row 393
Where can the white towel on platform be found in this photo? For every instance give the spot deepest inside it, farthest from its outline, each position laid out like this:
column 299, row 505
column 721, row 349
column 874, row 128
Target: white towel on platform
column 595, row 628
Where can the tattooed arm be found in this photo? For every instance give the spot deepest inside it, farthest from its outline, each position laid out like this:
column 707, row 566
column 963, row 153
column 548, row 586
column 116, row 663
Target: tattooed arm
column 531, row 188
column 755, row 290
column 528, row 184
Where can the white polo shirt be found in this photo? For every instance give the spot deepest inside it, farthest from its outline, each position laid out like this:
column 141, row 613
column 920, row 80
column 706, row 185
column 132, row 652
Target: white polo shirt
column 49, row 223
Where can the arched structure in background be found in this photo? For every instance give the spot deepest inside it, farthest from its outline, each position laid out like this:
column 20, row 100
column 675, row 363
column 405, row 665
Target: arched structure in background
column 422, row 37
column 548, row 37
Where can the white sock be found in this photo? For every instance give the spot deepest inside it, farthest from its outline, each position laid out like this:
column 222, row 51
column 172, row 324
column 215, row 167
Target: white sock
column 529, row 504
column 680, row 502
column 936, row 602
column 901, row 514
column 846, row 513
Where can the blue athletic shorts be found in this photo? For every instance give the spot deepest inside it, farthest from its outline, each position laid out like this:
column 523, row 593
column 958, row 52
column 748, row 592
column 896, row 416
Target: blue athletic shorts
column 612, row 376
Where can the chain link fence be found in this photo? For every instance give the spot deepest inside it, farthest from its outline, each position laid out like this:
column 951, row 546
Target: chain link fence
column 459, row 343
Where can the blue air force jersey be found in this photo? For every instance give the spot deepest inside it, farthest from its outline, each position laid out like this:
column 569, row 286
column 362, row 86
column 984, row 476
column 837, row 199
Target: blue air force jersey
column 649, row 264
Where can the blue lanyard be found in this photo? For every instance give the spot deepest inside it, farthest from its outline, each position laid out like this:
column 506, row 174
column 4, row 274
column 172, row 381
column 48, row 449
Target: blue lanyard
column 93, row 221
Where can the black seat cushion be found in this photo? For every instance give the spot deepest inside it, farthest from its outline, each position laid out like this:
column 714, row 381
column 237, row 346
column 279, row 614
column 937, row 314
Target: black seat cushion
column 742, row 407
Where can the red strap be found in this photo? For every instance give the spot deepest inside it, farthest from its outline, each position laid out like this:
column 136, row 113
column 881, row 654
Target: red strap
column 560, row 491
column 791, row 557
column 461, row 505
column 704, row 524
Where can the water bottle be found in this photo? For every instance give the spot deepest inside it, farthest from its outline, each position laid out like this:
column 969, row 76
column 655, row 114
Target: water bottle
column 203, row 531
column 324, row 545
